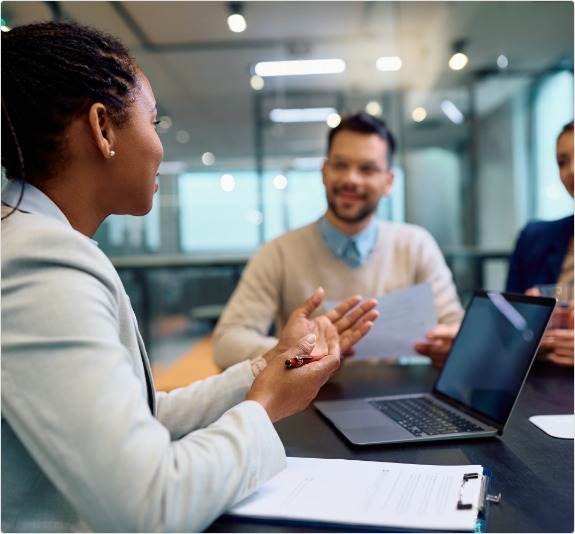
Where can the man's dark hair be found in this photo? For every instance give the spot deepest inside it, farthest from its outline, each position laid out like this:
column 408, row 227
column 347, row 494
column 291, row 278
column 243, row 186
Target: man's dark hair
column 367, row 124
column 51, row 73
column 567, row 128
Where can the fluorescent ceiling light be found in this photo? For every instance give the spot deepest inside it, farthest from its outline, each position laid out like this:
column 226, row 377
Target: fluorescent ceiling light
column 307, row 163
column 452, row 112
column 299, row 67
column 301, row 115
column 387, row 64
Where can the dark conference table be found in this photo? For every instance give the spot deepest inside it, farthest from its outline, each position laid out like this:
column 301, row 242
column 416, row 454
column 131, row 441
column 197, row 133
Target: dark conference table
column 532, row 470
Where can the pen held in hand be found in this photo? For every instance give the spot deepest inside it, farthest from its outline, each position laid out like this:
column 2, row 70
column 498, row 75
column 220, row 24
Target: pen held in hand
column 298, row 361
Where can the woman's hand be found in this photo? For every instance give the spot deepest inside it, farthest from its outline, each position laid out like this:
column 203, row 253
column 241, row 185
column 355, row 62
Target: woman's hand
column 352, row 320
column 557, row 343
column 283, row 391
column 557, row 347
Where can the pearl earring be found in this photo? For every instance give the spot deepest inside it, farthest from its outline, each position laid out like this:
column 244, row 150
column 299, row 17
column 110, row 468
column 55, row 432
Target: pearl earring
column 112, row 153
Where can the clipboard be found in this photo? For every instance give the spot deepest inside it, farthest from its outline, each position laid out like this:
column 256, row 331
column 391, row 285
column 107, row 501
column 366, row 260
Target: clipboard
column 374, row 496
column 485, row 498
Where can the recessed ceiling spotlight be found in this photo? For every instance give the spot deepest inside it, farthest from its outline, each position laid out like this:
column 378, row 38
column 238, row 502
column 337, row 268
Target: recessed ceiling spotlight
column 419, row 114
column 502, row 62
column 374, row 108
column 459, row 59
column 208, row 159
column 333, row 119
column 236, row 21
column 257, row 82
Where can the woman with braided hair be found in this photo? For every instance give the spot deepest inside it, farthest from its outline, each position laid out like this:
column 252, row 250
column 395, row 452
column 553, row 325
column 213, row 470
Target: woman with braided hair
column 87, row 444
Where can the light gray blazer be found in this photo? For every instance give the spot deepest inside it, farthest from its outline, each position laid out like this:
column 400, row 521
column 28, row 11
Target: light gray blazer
column 85, row 443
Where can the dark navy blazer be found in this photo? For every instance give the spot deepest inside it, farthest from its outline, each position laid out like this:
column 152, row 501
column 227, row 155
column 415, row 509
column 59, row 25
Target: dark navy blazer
column 539, row 254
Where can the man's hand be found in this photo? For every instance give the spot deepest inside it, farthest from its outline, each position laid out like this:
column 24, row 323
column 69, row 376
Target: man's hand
column 438, row 343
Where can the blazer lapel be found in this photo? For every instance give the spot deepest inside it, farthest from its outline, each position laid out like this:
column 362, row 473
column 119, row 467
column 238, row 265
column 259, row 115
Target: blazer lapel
column 148, row 371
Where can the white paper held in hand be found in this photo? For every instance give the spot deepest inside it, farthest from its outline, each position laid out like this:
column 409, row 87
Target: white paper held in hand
column 405, row 316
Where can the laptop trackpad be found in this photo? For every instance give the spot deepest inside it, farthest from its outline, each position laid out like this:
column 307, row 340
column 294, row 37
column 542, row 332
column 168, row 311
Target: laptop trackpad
column 360, row 418
column 354, row 414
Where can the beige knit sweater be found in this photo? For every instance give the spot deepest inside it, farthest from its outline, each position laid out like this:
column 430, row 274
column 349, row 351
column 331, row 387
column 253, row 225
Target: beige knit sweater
column 288, row 269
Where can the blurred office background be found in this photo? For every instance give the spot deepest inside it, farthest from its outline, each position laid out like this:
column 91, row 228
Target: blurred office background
column 476, row 146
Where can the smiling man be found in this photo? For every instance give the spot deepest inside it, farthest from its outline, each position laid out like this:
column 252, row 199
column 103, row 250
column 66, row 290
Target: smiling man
column 348, row 251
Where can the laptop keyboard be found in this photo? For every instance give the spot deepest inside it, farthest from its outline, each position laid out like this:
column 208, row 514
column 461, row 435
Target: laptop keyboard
column 421, row 416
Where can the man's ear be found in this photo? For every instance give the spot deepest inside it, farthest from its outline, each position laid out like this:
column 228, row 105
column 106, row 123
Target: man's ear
column 323, row 170
column 102, row 129
column 389, row 179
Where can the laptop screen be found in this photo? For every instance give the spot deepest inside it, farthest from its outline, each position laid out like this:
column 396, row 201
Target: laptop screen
column 493, row 350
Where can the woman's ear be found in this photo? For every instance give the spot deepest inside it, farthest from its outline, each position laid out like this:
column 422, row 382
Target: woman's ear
column 102, row 129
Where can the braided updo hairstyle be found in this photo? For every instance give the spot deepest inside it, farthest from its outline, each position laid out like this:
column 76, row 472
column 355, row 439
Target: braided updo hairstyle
column 51, row 73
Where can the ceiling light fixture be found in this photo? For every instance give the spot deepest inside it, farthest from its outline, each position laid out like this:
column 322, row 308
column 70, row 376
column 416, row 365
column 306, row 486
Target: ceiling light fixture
column 236, row 21
column 502, row 61
column 452, row 112
column 459, row 59
column 299, row 67
column 374, row 108
column 301, row 115
column 388, row 64
column 257, row 82
column 419, row 114
column 307, row 163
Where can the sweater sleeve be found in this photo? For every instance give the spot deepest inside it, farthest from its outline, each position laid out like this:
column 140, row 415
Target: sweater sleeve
column 243, row 330
column 431, row 267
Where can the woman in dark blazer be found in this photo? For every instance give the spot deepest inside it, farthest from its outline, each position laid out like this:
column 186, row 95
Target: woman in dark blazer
column 539, row 254
column 544, row 255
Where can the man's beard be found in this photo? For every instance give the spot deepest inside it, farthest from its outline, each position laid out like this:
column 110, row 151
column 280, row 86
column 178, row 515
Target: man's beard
column 368, row 211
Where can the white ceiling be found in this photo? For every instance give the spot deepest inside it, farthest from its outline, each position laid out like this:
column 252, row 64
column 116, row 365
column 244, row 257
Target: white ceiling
column 200, row 70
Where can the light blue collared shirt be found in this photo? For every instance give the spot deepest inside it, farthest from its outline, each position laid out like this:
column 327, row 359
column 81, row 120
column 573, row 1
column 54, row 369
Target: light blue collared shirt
column 352, row 250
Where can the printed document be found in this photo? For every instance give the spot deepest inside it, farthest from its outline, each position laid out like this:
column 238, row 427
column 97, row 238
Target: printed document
column 354, row 492
column 404, row 318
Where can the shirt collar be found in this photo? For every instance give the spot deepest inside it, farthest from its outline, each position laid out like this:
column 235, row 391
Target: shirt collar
column 33, row 200
column 337, row 241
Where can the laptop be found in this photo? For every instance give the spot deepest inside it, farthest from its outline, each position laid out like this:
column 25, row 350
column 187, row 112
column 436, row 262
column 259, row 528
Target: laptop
column 475, row 391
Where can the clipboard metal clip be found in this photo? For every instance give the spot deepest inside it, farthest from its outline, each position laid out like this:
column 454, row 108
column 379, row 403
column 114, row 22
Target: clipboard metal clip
column 484, row 496
column 493, row 498
column 460, row 504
